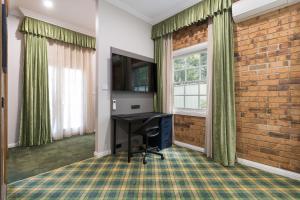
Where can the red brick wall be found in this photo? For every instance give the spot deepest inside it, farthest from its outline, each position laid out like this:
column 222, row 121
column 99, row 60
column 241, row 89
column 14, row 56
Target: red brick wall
column 189, row 129
column 267, row 73
column 190, row 36
column 267, row 54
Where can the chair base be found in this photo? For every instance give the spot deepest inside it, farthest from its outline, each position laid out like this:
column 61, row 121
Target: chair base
column 151, row 150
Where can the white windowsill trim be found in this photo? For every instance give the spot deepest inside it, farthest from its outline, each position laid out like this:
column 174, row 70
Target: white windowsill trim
column 191, row 49
column 189, row 113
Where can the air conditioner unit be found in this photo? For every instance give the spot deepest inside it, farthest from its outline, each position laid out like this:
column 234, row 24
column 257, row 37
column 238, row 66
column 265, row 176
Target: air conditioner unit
column 247, row 9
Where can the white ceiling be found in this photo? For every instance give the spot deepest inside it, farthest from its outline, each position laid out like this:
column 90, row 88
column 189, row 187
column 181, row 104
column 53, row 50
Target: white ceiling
column 153, row 11
column 81, row 13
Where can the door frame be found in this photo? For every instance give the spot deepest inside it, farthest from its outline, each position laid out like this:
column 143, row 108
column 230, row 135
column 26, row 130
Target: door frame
column 3, row 119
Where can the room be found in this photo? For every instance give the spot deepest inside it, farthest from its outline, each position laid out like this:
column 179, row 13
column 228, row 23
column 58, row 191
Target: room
column 67, row 134
column 111, row 99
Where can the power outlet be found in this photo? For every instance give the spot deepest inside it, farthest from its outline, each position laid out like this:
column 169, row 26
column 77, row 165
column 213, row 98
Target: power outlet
column 134, row 107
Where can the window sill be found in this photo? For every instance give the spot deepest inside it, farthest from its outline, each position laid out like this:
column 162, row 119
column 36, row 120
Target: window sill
column 190, row 113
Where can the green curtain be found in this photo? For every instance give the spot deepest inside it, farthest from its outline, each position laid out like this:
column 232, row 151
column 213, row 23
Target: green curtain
column 196, row 13
column 223, row 119
column 40, row 28
column 162, row 55
column 158, row 58
column 35, row 114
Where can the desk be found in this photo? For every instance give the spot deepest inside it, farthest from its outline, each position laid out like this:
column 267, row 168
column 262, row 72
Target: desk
column 131, row 118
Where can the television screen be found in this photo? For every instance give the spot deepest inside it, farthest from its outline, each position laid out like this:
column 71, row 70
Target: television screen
column 130, row 74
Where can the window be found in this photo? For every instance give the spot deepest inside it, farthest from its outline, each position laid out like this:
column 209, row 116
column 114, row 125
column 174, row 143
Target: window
column 71, row 97
column 71, row 74
column 190, row 80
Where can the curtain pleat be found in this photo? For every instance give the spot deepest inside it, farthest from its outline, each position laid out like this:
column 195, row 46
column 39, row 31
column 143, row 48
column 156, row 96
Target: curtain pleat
column 35, row 128
column 199, row 12
column 159, row 60
column 208, row 121
column 167, row 73
column 163, row 48
column 223, row 118
column 40, row 28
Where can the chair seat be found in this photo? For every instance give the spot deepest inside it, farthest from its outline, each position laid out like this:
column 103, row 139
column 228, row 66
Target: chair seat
column 152, row 132
column 149, row 132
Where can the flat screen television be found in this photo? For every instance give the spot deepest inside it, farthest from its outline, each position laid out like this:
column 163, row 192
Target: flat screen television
column 130, row 74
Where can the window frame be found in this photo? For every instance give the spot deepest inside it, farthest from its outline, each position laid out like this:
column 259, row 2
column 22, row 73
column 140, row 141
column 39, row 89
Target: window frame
column 182, row 53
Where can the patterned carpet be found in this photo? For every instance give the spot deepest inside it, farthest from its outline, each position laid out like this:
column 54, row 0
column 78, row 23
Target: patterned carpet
column 184, row 174
column 22, row 162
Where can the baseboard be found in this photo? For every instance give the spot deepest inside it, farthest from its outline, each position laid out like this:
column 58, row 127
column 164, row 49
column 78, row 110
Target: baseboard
column 270, row 169
column 12, row 145
column 266, row 168
column 3, row 191
column 102, row 154
column 189, row 146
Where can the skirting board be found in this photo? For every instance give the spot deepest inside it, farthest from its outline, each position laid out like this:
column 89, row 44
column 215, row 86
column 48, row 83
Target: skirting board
column 12, row 145
column 189, row 146
column 270, row 169
column 102, row 154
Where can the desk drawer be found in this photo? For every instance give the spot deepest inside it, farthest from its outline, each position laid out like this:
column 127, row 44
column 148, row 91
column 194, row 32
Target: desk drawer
column 166, row 130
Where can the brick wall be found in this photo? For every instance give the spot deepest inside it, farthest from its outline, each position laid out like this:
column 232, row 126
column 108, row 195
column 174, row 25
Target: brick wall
column 189, row 129
column 267, row 67
column 267, row 54
column 190, row 36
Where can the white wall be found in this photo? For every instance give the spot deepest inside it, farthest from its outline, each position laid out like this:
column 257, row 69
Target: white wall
column 115, row 28
column 14, row 78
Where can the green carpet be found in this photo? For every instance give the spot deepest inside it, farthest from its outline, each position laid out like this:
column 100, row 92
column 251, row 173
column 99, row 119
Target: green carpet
column 30, row 161
column 184, row 174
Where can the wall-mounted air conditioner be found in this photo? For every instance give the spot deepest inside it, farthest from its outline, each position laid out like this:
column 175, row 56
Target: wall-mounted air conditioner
column 247, row 9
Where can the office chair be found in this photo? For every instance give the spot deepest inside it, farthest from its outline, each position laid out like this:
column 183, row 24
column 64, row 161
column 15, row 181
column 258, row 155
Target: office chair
column 149, row 129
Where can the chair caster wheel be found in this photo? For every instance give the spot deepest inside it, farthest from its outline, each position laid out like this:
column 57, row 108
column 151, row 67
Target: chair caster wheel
column 144, row 162
column 162, row 157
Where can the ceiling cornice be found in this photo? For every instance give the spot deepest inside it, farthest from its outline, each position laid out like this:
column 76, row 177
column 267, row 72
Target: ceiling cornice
column 129, row 9
column 174, row 11
column 29, row 13
column 153, row 21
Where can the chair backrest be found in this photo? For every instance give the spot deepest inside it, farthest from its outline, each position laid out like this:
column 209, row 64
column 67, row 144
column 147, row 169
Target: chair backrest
column 147, row 123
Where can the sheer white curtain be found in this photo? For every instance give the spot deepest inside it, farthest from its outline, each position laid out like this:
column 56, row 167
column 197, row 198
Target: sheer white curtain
column 72, row 90
column 167, row 73
column 208, row 129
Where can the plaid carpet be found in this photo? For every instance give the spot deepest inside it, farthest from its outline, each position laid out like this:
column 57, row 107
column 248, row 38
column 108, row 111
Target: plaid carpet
column 184, row 174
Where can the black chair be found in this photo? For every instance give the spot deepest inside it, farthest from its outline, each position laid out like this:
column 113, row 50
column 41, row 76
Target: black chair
column 149, row 129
